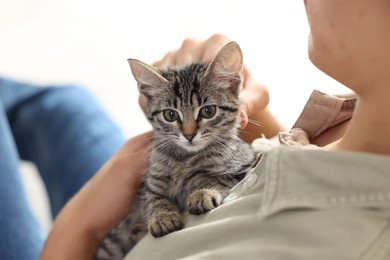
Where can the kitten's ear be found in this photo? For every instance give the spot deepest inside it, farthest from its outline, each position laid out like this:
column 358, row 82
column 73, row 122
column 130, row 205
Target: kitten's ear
column 226, row 70
column 149, row 79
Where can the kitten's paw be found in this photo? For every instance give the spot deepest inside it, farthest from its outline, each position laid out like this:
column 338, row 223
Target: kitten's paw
column 163, row 223
column 203, row 200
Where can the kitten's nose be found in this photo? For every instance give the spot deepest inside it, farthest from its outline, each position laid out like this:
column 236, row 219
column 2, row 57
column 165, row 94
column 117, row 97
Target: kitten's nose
column 189, row 137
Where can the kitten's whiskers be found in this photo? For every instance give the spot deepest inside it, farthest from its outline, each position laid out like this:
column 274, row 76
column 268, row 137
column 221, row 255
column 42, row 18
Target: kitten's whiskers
column 254, row 122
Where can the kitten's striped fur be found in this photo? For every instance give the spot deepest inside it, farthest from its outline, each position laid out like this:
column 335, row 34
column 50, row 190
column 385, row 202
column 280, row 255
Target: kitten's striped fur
column 197, row 156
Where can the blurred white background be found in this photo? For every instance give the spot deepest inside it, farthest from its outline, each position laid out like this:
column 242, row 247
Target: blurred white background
column 88, row 41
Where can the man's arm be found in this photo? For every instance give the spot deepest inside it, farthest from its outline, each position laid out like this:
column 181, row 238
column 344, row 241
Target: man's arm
column 100, row 205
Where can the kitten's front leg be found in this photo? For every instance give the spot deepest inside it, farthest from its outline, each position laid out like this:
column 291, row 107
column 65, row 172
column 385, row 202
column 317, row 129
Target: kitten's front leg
column 164, row 217
column 203, row 200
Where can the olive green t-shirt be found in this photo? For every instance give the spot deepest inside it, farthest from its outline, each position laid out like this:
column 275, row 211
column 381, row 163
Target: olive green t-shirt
column 297, row 204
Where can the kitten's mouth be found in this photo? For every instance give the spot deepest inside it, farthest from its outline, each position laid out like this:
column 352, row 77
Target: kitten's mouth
column 193, row 146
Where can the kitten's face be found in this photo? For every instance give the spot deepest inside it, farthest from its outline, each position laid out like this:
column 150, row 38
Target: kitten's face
column 192, row 112
column 194, row 106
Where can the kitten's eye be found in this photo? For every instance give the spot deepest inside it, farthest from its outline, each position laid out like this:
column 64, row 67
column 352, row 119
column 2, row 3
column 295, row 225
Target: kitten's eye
column 208, row 111
column 170, row 115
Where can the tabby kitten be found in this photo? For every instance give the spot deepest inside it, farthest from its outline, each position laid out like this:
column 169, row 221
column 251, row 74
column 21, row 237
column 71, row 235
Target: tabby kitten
column 197, row 156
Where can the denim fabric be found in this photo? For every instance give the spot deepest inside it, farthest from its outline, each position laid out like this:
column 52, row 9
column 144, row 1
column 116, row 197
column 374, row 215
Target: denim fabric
column 66, row 133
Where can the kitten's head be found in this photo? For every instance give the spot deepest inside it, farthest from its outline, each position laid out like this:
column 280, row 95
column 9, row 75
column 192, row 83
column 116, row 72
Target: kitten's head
column 195, row 105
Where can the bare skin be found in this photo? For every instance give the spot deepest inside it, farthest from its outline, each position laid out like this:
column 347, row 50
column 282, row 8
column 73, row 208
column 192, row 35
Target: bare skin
column 356, row 53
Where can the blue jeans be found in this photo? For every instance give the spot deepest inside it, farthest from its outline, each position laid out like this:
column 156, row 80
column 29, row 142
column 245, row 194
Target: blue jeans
column 65, row 132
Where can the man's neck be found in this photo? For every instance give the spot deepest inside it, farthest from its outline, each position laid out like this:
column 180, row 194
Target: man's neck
column 369, row 129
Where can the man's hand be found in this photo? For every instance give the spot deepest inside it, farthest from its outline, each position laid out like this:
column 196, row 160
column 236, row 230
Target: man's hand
column 256, row 119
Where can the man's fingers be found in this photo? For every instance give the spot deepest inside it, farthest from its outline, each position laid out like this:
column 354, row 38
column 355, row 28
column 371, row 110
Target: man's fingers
column 193, row 50
column 254, row 97
column 166, row 61
column 213, row 45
